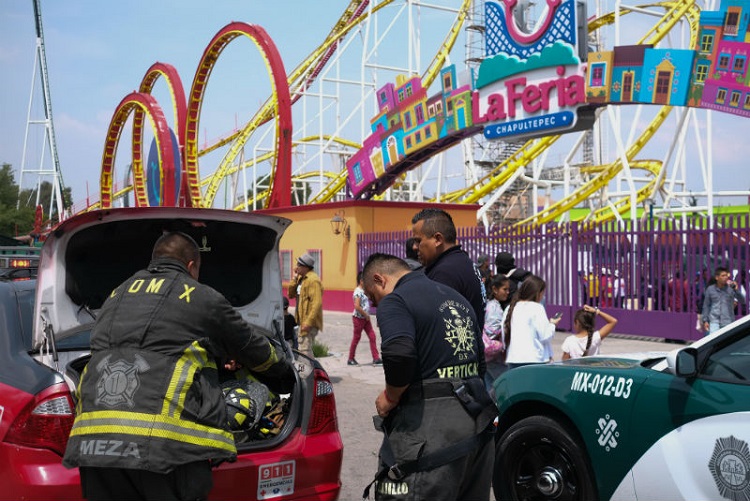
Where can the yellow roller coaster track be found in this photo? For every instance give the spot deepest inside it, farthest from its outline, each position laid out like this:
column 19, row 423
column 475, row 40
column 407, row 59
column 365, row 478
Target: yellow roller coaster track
column 675, row 11
column 622, row 205
column 533, row 148
column 299, row 78
column 337, row 184
column 264, row 194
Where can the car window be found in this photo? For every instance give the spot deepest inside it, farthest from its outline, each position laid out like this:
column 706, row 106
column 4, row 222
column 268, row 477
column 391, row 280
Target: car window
column 731, row 362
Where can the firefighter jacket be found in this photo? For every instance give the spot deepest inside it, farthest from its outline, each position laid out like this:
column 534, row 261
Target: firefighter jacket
column 309, row 293
column 150, row 397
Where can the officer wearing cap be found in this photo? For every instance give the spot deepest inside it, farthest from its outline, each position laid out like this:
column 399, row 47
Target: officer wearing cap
column 307, row 289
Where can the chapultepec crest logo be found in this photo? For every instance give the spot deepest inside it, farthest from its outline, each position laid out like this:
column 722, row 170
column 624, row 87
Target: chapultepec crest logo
column 729, row 466
column 119, row 381
column 459, row 332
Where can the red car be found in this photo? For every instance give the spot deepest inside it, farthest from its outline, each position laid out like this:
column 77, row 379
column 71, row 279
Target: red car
column 86, row 257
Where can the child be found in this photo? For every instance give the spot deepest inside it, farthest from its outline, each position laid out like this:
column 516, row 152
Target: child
column 492, row 333
column 586, row 341
column 290, row 326
column 361, row 321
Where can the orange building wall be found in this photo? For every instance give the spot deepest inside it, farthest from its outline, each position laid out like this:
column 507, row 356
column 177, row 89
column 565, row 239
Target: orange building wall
column 311, row 229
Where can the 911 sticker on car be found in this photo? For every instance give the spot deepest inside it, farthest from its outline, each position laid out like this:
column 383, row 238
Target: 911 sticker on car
column 602, row 384
column 276, row 480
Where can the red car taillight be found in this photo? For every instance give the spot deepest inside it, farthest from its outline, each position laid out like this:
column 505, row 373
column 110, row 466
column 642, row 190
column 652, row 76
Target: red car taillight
column 323, row 412
column 46, row 422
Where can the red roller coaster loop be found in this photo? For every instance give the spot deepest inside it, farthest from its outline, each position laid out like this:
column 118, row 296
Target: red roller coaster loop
column 129, row 104
column 281, row 182
column 179, row 107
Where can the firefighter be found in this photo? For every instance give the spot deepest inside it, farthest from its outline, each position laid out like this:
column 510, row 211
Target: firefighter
column 151, row 418
column 437, row 415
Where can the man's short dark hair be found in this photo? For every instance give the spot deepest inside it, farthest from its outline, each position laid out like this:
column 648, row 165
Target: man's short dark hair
column 719, row 270
column 176, row 245
column 386, row 264
column 436, row 221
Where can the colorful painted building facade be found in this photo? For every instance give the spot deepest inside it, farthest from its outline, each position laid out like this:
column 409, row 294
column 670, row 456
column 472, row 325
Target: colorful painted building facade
column 726, row 86
column 714, row 75
column 408, row 121
column 533, row 84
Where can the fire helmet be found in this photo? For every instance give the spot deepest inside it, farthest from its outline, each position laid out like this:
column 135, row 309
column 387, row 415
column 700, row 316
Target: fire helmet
column 245, row 403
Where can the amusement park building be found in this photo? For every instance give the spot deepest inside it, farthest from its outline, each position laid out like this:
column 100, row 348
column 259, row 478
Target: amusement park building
column 337, row 263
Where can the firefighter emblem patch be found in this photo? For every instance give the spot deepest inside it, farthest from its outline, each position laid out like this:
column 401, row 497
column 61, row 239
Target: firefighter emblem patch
column 459, row 330
column 119, row 381
column 729, row 466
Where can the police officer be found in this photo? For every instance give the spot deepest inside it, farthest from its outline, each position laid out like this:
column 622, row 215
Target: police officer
column 437, row 416
column 151, row 415
column 445, row 261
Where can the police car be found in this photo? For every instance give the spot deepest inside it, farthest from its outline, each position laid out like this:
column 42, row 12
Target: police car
column 651, row 426
column 297, row 452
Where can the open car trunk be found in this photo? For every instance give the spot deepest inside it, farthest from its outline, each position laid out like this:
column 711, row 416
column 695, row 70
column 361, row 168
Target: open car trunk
column 87, row 256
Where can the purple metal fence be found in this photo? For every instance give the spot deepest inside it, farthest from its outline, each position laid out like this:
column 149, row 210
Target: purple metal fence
column 651, row 279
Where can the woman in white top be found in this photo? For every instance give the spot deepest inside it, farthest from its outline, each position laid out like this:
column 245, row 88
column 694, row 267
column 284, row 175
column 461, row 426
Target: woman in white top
column 528, row 331
column 586, row 341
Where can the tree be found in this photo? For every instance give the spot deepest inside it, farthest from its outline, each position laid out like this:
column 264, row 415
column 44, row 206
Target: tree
column 28, row 199
column 13, row 221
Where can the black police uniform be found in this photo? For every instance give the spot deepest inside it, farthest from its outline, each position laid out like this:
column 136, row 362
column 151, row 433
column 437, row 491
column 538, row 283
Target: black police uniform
column 431, row 327
column 151, row 412
column 455, row 269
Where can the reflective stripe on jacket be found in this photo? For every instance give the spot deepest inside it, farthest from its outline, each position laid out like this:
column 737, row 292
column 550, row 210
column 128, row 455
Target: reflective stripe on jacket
column 150, row 396
column 143, row 410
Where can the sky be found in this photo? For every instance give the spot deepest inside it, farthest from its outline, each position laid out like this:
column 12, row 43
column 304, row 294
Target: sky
column 97, row 52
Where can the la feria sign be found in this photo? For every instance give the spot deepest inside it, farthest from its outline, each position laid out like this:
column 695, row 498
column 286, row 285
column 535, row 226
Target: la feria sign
column 532, row 84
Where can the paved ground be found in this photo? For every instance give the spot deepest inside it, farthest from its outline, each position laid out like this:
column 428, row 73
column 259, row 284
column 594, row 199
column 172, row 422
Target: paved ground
column 357, row 387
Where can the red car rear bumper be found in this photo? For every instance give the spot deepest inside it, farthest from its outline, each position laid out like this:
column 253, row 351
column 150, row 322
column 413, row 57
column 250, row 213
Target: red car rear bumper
column 36, row 474
column 303, row 468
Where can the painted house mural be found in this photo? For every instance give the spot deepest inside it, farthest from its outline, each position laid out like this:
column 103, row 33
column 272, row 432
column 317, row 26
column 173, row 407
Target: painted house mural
column 726, row 87
column 408, row 121
column 599, row 76
column 714, row 75
column 666, row 76
column 532, row 84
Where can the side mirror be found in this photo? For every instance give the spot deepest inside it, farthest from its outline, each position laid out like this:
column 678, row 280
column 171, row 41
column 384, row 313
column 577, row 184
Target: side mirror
column 683, row 362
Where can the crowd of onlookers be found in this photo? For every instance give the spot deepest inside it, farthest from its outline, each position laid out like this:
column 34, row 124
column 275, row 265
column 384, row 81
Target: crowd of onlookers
column 669, row 292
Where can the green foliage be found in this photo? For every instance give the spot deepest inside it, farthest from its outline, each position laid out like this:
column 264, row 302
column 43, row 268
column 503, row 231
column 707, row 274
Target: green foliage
column 13, row 221
column 18, row 218
column 320, row 349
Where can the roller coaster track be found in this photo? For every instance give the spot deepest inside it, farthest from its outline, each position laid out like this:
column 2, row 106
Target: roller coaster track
column 533, row 148
column 337, row 184
column 299, row 80
column 622, row 205
column 299, row 75
column 676, row 10
column 264, row 194
column 267, row 156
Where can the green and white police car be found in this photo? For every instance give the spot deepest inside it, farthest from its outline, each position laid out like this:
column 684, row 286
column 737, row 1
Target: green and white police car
column 651, row 426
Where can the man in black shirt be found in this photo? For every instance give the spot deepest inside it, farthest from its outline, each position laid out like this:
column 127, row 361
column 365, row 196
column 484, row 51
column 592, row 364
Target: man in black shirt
column 445, row 261
column 434, row 397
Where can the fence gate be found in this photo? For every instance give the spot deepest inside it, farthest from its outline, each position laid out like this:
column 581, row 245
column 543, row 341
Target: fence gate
column 651, row 279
